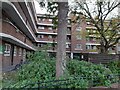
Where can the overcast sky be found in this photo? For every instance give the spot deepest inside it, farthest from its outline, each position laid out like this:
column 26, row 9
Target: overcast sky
column 38, row 9
column 44, row 11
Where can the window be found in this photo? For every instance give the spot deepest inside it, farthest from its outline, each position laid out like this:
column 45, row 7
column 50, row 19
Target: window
column 15, row 50
column 88, row 47
column 88, row 23
column 88, row 30
column 67, row 45
column 40, row 45
column 20, row 52
column 68, row 30
column 94, row 31
column 50, row 28
column 7, row 50
column 78, row 37
column 40, row 36
column 93, row 47
column 78, row 46
column 87, row 39
column 49, row 36
column 41, row 19
column 78, row 28
column 41, row 27
column 50, row 20
column 68, row 38
column 69, row 21
column 94, row 39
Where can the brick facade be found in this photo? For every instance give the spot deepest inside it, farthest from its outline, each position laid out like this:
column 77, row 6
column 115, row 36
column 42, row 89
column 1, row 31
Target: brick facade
column 17, row 34
column 23, row 31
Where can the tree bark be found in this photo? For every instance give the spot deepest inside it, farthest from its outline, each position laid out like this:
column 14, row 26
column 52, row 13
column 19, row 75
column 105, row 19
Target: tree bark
column 61, row 38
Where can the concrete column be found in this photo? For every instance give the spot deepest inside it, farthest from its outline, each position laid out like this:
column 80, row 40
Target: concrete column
column 71, row 56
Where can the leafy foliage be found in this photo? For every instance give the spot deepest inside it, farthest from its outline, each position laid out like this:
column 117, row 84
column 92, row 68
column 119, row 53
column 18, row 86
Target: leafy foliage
column 93, row 73
column 79, row 74
column 114, row 66
column 40, row 67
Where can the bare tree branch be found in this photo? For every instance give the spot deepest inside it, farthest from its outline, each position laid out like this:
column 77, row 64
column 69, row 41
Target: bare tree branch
column 116, row 41
column 111, row 8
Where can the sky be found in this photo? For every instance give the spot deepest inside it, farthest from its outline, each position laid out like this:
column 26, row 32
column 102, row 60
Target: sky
column 44, row 10
column 38, row 9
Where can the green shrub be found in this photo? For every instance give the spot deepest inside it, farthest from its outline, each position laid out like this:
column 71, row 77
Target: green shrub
column 114, row 66
column 40, row 67
column 93, row 73
column 78, row 74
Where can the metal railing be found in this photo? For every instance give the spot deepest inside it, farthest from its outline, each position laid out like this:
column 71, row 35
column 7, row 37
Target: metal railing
column 64, row 83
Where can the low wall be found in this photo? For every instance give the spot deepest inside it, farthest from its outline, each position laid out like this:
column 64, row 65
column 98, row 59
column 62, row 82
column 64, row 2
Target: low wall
column 96, row 58
column 103, row 58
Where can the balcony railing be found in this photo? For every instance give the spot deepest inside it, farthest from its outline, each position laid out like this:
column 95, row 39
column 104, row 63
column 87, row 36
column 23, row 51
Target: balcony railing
column 92, row 50
column 17, row 5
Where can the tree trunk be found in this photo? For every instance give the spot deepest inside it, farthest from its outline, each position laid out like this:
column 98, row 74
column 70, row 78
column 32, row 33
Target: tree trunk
column 103, row 48
column 61, row 38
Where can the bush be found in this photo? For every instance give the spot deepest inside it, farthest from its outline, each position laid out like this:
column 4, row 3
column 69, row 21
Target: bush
column 114, row 66
column 40, row 67
column 97, row 74
column 79, row 74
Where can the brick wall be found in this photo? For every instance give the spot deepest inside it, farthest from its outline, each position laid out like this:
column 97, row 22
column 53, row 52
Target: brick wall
column 96, row 58
column 102, row 58
column 9, row 29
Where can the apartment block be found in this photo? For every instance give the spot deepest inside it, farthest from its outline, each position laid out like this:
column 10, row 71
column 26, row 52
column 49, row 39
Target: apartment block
column 93, row 39
column 82, row 37
column 47, row 34
column 24, row 31
column 18, row 32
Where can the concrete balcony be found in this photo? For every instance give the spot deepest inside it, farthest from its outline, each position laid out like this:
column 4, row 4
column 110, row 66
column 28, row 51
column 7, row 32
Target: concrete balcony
column 12, row 39
column 48, row 32
column 47, row 39
column 48, row 24
column 18, row 18
column 54, row 49
column 92, row 50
